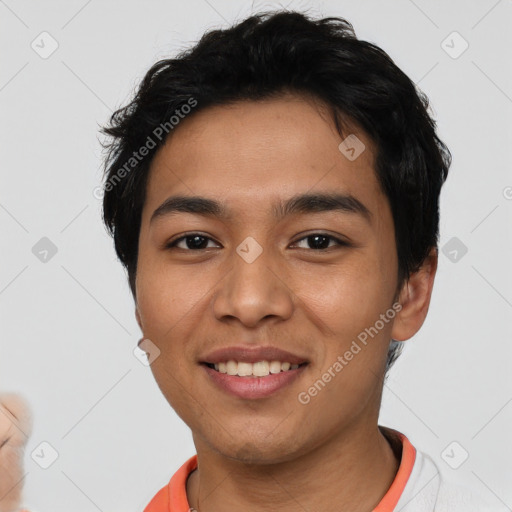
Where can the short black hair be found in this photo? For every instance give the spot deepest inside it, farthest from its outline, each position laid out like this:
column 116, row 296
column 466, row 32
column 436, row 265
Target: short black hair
column 263, row 56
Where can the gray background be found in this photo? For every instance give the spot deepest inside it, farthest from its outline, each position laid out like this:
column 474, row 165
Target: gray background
column 67, row 324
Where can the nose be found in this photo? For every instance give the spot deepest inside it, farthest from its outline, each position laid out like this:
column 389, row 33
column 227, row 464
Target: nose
column 253, row 291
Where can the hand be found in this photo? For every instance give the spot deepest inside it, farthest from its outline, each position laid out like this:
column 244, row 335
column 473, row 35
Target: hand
column 15, row 430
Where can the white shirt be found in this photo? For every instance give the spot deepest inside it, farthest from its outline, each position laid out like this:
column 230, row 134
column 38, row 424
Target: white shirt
column 429, row 490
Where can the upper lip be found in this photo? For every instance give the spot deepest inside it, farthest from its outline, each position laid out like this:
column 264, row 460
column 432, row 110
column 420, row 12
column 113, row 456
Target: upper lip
column 247, row 354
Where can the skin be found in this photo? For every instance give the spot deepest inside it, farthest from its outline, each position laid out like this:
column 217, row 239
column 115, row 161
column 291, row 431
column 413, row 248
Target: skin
column 15, row 430
column 275, row 453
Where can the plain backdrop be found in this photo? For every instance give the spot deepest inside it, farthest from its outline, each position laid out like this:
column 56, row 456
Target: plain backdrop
column 68, row 329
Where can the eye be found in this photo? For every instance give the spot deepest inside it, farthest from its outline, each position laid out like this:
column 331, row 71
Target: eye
column 320, row 241
column 197, row 242
column 192, row 241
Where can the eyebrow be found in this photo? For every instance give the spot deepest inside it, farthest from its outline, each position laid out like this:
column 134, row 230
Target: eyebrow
column 299, row 204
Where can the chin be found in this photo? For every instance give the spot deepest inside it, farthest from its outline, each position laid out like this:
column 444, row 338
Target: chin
column 259, row 452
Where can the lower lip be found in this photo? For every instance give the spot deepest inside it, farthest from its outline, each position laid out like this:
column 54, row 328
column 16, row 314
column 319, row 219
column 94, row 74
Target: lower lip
column 253, row 387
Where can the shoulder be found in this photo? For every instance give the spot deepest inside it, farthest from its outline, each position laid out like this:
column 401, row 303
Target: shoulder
column 160, row 502
column 453, row 497
column 174, row 495
column 431, row 490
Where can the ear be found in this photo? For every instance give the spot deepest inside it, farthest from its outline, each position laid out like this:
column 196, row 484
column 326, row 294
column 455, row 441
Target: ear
column 414, row 298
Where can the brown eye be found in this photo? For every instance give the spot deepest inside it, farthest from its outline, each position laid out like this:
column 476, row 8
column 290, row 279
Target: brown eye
column 320, row 241
column 192, row 242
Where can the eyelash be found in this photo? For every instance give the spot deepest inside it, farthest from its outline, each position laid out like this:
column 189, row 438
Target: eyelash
column 173, row 243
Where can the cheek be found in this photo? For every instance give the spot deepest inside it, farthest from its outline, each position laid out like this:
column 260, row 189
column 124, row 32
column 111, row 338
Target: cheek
column 346, row 304
column 169, row 304
column 347, row 298
column 172, row 303
column 165, row 295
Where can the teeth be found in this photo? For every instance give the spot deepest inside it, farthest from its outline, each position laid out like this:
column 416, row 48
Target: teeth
column 232, row 368
column 275, row 366
column 244, row 369
column 259, row 369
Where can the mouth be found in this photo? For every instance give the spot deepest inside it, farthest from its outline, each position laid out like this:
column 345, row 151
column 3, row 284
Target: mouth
column 253, row 370
column 251, row 381
column 250, row 372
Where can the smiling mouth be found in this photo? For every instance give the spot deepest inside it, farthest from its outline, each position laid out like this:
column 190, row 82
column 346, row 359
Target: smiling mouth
column 258, row 369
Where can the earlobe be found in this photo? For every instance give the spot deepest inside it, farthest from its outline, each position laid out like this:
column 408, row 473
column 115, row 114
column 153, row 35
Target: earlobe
column 415, row 299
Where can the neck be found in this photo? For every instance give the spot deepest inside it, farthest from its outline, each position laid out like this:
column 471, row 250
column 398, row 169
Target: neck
column 351, row 472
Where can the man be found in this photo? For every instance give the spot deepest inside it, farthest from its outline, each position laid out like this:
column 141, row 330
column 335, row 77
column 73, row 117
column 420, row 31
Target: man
column 274, row 196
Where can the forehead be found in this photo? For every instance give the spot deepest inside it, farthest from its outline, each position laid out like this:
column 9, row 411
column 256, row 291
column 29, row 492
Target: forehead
column 249, row 153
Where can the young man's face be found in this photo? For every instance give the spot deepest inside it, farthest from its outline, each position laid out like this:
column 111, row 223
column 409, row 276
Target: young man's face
column 219, row 291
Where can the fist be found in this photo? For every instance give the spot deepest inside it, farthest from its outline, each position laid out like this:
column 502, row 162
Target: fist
column 15, row 430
